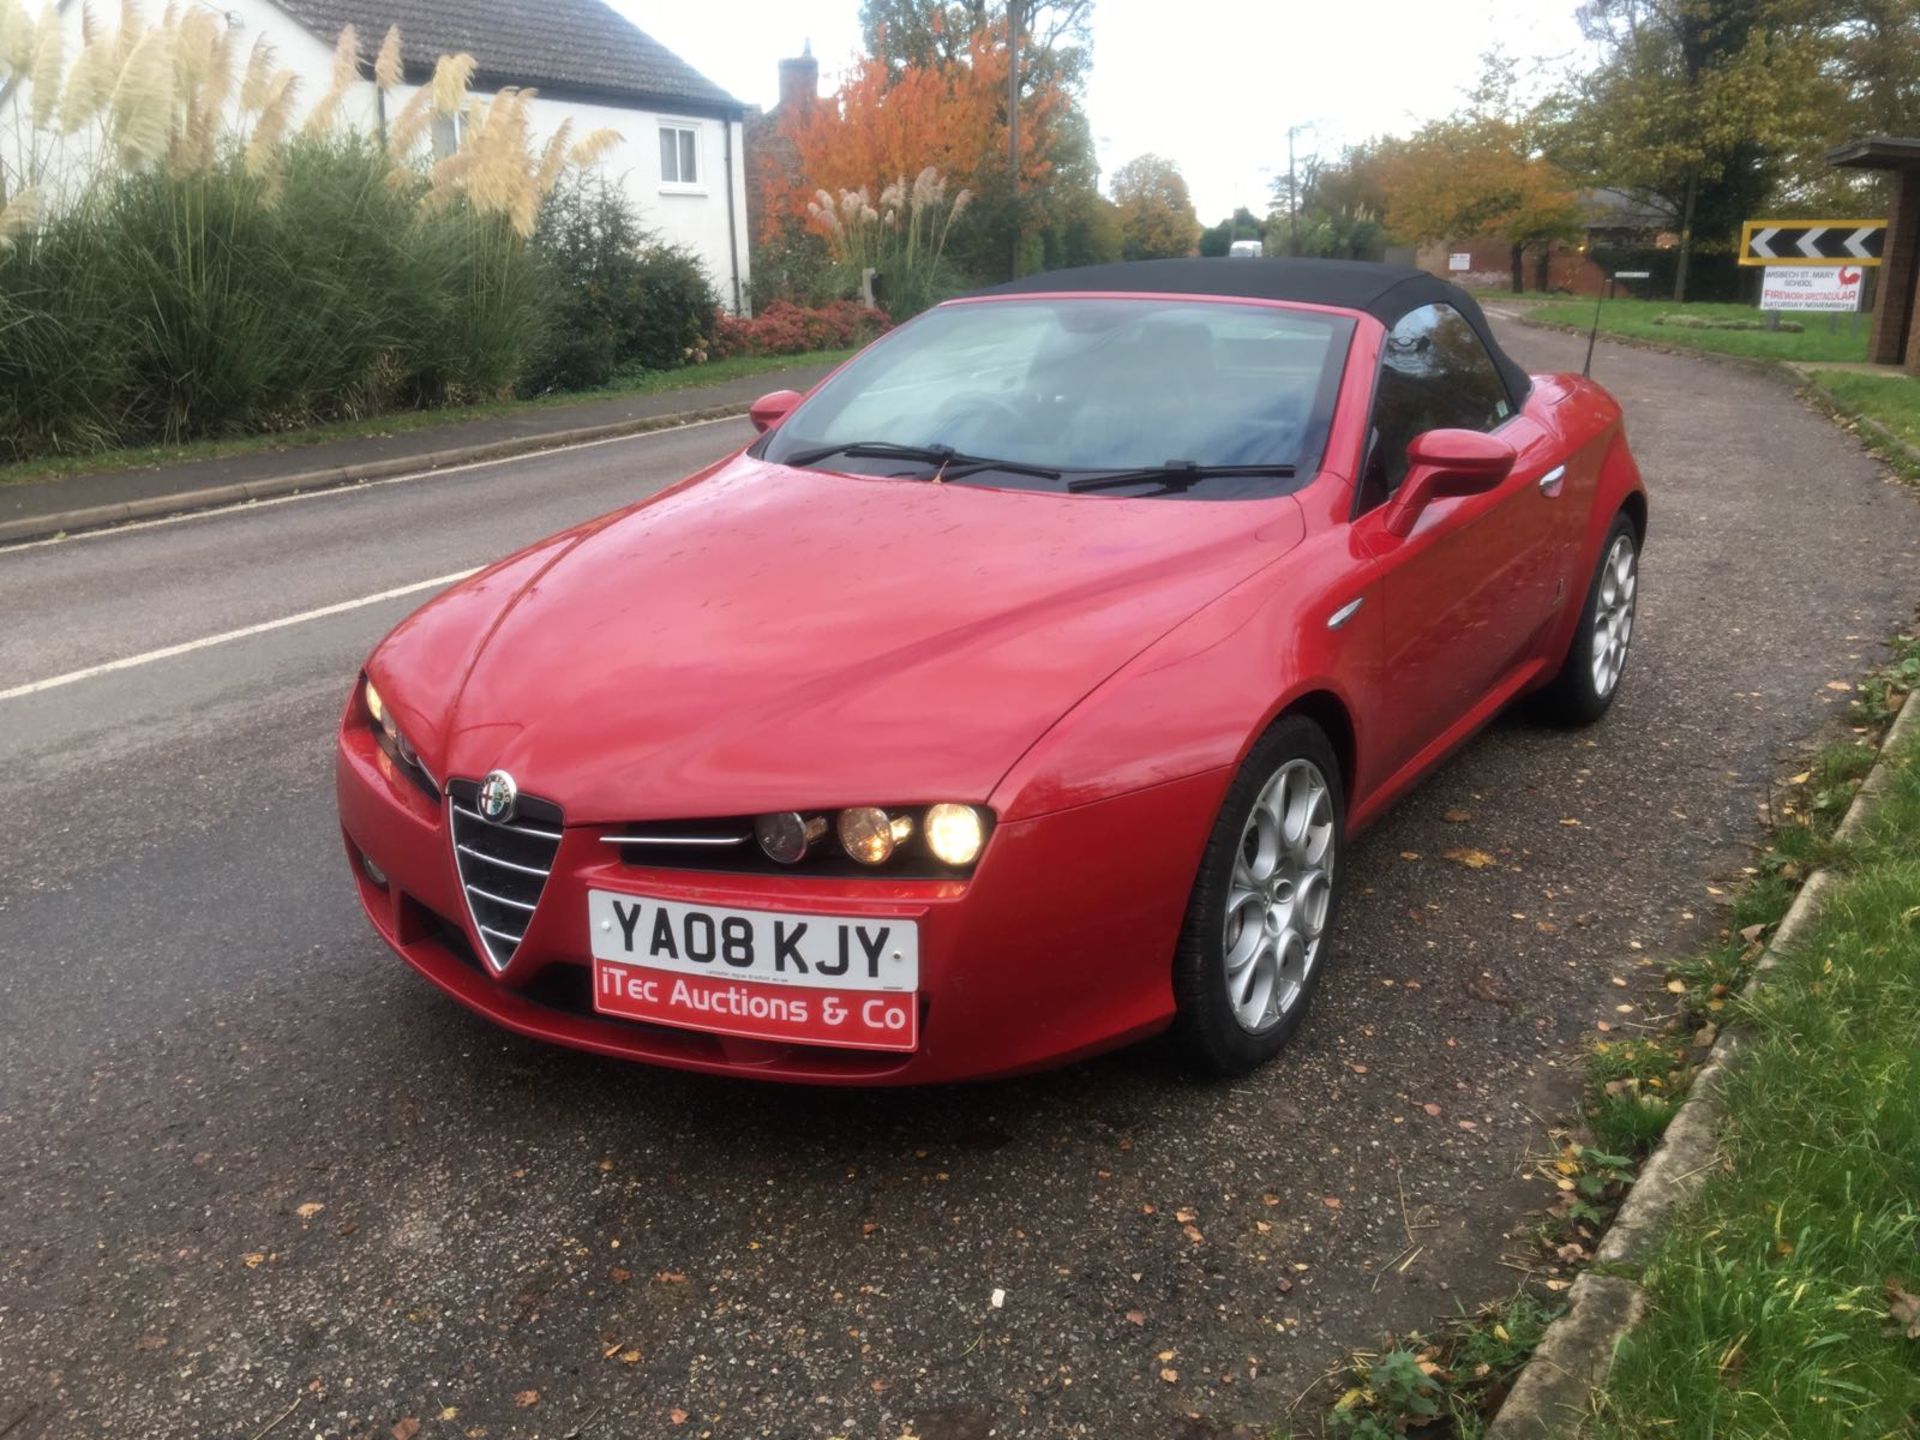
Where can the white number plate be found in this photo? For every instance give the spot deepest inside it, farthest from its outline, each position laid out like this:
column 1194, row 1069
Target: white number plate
column 826, row 952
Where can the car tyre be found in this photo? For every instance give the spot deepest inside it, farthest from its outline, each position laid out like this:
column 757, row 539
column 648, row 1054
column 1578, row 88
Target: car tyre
column 1260, row 919
column 1589, row 677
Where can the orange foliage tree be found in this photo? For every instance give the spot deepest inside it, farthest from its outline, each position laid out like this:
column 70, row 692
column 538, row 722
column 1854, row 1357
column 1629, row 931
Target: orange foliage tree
column 881, row 126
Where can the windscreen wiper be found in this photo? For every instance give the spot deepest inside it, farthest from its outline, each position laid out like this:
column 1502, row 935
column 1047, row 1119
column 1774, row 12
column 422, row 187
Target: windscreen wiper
column 953, row 463
column 1177, row 475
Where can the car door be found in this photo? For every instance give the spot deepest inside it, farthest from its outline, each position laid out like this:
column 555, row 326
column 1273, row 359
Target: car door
column 1468, row 590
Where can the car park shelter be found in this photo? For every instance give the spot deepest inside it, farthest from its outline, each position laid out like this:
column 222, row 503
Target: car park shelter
column 1896, row 335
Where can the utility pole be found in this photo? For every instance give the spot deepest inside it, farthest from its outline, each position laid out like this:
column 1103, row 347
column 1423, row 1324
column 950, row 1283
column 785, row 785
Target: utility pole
column 1013, row 134
column 1293, row 192
column 1293, row 199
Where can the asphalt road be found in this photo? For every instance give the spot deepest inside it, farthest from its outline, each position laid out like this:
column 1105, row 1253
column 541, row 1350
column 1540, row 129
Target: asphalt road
column 255, row 1178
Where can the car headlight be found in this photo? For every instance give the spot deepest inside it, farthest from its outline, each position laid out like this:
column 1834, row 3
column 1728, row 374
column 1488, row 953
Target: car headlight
column 955, row 833
column 384, row 722
column 871, row 835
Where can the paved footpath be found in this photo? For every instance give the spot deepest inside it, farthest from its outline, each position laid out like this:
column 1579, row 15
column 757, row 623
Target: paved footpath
column 46, row 500
column 252, row 1170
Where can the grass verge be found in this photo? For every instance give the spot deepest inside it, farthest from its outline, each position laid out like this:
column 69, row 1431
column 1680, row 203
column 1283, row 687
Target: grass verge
column 1784, row 1301
column 692, row 378
column 1892, row 402
column 1787, row 1301
column 1635, row 319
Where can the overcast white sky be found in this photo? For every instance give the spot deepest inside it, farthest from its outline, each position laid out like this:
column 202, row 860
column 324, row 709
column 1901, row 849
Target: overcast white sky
column 1211, row 84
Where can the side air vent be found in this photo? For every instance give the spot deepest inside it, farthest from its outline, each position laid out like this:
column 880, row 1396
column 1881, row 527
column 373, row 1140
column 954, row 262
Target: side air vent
column 503, row 865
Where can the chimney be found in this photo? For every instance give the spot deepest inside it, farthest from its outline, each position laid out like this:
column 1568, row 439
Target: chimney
column 800, row 80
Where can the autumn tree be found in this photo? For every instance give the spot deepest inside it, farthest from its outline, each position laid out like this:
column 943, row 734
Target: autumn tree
column 1157, row 218
column 1480, row 172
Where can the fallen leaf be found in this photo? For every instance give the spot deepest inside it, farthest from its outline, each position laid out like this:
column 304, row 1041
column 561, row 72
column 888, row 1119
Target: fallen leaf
column 679, row 1417
column 1183, row 1216
column 1164, row 1356
column 308, row 1211
column 1838, row 685
column 1802, row 778
column 1569, row 820
column 1357, row 1069
column 669, row 1277
column 1706, row 1034
column 526, row 1399
column 1752, row 933
column 630, row 1357
column 1192, row 1232
column 254, row 1260
column 1903, row 1309
column 619, row 1276
column 1677, row 987
column 1621, row 981
column 1431, row 1109
column 1332, row 1202
column 1269, row 1199
column 1457, row 817
column 1409, row 854
column 151, row 1342
column 1170, row 1375
column 1136, row 1317
column 406, row 1429
column 1466, row 1125
column 1471, row 858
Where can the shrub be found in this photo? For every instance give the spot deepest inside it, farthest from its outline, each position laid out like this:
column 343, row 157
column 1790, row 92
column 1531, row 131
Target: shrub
column 784, row 328
column 903, row 237
column 175, row 262
column 619, row 299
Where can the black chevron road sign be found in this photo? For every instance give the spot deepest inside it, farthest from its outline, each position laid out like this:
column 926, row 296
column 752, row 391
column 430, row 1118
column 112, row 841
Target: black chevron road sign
column 1813, row 242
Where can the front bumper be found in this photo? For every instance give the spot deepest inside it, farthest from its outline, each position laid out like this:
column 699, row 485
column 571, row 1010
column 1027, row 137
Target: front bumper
column 1060, row 945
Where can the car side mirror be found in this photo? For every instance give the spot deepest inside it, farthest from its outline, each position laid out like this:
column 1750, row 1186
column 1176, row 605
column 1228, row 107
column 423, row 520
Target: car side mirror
column 1443, row 463
column 769, row 410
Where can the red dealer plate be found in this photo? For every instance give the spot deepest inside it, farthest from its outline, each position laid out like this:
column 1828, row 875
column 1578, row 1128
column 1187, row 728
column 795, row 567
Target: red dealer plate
column 760, row 974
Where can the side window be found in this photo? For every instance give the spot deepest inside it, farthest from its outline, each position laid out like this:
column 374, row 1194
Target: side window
column 1434, row 375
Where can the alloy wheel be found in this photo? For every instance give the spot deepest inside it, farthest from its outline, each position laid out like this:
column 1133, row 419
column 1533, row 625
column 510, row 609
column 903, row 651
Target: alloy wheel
column 1613, row 615
column 1280, row 895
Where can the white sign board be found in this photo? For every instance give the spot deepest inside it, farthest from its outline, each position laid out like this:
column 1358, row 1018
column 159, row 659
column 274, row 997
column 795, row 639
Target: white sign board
column 1460, row 260
column 1811, row 287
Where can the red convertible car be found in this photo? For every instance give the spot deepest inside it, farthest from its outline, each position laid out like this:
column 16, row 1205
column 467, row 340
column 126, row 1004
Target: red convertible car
column 1012, row 697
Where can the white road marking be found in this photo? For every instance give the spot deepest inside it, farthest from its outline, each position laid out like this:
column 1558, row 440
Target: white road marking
column 168, row 652
column 354, row 487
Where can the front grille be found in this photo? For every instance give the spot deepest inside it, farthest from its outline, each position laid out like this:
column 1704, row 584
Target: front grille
column 503, row 866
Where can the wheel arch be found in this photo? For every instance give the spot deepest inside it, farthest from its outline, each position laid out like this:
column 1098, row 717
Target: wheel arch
column 1329, row 712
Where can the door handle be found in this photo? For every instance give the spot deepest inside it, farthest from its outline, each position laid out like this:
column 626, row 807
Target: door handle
column 1551, row 482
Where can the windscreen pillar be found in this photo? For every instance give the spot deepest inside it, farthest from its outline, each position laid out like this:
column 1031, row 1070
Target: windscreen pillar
column 1895, row 338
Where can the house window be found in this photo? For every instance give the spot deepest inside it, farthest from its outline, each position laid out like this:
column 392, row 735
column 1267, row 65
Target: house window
column 679, row 154
column 448, row 132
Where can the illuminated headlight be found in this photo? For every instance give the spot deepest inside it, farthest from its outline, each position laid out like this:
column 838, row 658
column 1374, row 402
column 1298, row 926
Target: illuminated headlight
column 955, row 833
column 383, row 718
column 870, row 835
column 786, row 836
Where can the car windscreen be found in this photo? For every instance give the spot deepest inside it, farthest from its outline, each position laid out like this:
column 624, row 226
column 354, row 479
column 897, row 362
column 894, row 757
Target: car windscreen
column 1087, row 387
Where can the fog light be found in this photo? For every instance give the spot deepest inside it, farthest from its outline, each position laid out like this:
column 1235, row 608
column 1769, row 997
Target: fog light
column 374, row 872
column 955, row 834
column 870, row 835
column 786, row 836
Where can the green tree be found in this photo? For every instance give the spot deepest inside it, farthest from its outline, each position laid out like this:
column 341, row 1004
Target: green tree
column 1157, row 220
column 1695, row 105
column 1218, row 240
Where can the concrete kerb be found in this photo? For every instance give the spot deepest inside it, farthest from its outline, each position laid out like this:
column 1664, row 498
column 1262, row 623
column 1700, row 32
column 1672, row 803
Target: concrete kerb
column 41, row 527
column 1553, row 1395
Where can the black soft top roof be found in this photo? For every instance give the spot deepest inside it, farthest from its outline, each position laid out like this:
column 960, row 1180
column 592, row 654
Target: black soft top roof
column 1385, row 292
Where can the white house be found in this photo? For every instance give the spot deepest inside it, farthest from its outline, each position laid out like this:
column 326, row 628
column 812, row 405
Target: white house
column 681, row 158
